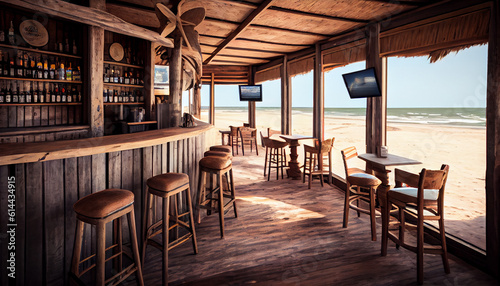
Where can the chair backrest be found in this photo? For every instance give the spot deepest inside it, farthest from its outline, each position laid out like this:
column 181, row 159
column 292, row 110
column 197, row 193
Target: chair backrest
column 270, row 132
column 347, row 154
column 427, row 179
column 262, row 139
column 327, row 145
column 247, row 132
column 234, row 130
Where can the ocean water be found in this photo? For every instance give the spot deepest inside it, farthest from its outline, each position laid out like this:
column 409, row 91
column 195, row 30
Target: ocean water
column 470, row 117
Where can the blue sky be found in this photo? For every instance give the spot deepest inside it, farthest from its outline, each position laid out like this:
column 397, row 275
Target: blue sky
column 458, row 80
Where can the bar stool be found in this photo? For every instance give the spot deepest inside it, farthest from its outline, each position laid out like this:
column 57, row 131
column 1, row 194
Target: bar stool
column 361, row 187
column 218, row 166
column 221, row 148
column 98, row 209
column 316, row 153
column 277, row 156
column 165, row 186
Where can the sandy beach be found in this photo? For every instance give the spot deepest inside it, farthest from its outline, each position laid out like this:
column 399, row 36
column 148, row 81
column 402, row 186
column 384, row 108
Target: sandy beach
column 463, row 148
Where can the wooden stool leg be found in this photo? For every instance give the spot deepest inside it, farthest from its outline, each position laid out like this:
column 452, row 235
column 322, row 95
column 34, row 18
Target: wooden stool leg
column 118, row 241
column 100, row 253
column 145, row 222
column 191, row 220
column 372, row 214
column 444, row 256
column 201, row 194
column 166, row 203
column 385, row 227
column 233, row 196
column 270, row 162
column 265, row 162
column 346, row 206
column 402, row 226
column 77, row 248
column 135, row 247
column 221, row 205
column 420, row 249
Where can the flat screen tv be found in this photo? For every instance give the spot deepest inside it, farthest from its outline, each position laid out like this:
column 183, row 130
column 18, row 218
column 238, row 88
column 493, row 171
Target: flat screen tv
column 250, row 92
column 362, row 83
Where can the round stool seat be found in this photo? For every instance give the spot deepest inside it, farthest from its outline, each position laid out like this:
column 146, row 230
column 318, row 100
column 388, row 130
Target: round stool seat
column 161, row 185
column 218, row 154
column 215, row 163
column 222, row 148
column 103, row 203
column 363, row 179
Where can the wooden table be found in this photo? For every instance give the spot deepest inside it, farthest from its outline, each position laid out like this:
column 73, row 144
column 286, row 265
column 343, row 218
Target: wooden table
column 293, row 140
column 223, row 133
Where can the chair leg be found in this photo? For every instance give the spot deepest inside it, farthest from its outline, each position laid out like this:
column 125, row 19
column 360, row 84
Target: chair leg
column 233, row 196
column 165, row 235
column 372, row 214
column 385, row 227
column 265, row 163
column 201, row 194
column 444, row 255
column 346, row 206
column 100, row 253
column 402, row 226
column 358, row 189
column 305, row 167
column 118, row 241
column 269, row 165
column 145, row 222
column 256, row 147
column 191, row 220
column 320, row 167
column 135, row 247
column 221, row 206
column 420, row 248
column 77, row 248
column 282, row 154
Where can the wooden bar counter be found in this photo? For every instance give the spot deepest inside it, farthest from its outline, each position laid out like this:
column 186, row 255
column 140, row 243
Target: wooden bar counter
column 51, row 176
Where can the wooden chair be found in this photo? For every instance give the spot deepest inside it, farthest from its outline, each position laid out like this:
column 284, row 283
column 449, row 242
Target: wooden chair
column 276, row 156
column 270, row 132
column 316, row 153
column 234, row 138
column 360, row 187
column 413, row 195
column 248, row 137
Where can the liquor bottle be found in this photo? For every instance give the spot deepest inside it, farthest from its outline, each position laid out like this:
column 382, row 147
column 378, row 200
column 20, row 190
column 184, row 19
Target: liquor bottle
column 8, row 96
column 120, row 76
column 21, row 93
column 46, row 92
column 2, row 62
column 12, row 36
column 75, row 49
column 41, row 94
column 12, row 67
column 77, row 74
column 61, row 72
column 29, row 92
column 5, row 65
column 45, row 68
column 120, row 96
column 39, row 68
column 115, row 96
column 106, row 74
column 66, row 46
column 52, row 93
column 58, row 93
column 15, row 96
column 115, row 75
column 26, row 65
column 60, row 48
column 63, row 93
column 2, row 91
column 35, row 92
column 19, row 65
column 127, row 78
column 33, row 67
column 69, row 72
column 2, row 32
column 105, row 95
column 131, row 96
column 70, row 94
column 79, row 95
column 52, row 69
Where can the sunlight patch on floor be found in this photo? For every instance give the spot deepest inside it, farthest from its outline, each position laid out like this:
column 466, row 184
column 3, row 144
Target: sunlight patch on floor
column 283, row 211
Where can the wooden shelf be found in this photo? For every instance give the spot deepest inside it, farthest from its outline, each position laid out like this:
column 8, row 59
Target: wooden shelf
column 141, row 123
column 14, row 131
column 41, row 80
column 40, row 51
column 123, row 103
column 123, row 65
column 41, row 104
column 123, row 85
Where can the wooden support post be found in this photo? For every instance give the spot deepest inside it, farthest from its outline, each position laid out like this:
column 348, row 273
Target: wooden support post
column 286, row 99
column 251, row 104
column 95, row 82
column 375, row 108
column 149, row 71
column 318, row 96
column 211, row 111
column 493, row 144
column 175, row 77
column 197, row 101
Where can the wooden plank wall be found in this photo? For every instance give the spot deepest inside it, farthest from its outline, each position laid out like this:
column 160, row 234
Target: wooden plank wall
column 46, row 192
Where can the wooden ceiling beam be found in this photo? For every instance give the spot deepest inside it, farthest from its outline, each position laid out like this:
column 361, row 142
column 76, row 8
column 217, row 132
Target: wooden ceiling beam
column 236, row 56
column 262, row 7
column 90, row 16
column 240, row 3
column 322, row 16
column 405, row 3
column 141, row 17
column 272, row 43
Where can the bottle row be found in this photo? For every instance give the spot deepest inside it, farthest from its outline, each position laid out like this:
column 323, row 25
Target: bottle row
column 36, row 66
column 16, row 92
column 61, row 44
column 123, row 75
column 123, row 95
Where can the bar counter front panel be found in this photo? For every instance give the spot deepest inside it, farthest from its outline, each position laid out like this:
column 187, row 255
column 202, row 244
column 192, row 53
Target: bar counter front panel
column 47, row 186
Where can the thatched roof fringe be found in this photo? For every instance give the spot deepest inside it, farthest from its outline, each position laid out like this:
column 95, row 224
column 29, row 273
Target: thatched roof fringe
column 349, row 54
column 268, row 74
column 302, row 66
column 434, row 39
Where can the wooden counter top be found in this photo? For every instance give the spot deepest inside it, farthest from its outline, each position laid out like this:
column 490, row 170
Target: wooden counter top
column 15, row 153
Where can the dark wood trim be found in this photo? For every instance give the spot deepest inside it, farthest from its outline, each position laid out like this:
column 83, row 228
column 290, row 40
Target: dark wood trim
column 318, row 96
column 493, row 144
column 211, row 111
column 328, row 17
column 286, row 98
column 262, row 7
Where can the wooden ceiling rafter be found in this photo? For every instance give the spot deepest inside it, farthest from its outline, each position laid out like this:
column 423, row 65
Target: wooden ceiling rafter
column 235, row 56
column 322, row 16
column 405, row 3
column 272, row 43
column 255, row 13
column 245, row 4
